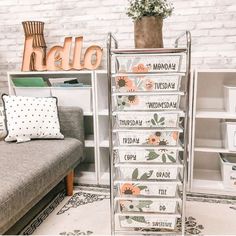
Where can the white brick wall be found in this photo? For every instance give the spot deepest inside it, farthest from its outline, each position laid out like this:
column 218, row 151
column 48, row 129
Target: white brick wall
column 212, row 23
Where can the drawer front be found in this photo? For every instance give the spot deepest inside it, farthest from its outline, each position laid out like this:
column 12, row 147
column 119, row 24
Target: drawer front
column 166, row 172
column 125, row 83
column 147, row 155
column 148, row 138
column 157, row 189
column 146, row 120
column 147, row 102
column 146, row 221
column 148, row 205
column 150, row 63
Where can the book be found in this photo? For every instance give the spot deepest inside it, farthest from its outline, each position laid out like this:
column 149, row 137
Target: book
column 29, row 82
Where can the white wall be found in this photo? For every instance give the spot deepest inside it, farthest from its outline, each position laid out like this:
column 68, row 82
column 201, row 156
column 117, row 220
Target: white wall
column 212, row 23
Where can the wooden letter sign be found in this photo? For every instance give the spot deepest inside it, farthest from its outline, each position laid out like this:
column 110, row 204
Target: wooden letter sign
column 58, row 57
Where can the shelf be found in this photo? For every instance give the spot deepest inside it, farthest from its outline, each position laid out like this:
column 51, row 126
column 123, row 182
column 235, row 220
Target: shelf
column 89, row 141
column 88, row 113
column 104, row 143
column 210, row 145
column 85, row 173
column 215, row 114
column 210, row 182
column 103, row 112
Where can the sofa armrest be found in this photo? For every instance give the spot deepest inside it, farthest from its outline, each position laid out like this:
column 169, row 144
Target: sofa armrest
column 72, row 122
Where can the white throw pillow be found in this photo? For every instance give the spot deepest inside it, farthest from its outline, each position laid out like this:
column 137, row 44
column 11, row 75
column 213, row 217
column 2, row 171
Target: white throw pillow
column 3, row 131
column 31, row 118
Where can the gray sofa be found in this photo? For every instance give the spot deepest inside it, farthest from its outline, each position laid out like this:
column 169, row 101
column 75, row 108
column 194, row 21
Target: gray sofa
column 28, row 171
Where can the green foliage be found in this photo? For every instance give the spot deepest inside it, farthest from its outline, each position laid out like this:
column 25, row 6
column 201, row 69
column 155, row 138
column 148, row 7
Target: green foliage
column 139, row 8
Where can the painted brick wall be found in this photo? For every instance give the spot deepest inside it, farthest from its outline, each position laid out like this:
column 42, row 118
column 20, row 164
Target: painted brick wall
column 212, row 23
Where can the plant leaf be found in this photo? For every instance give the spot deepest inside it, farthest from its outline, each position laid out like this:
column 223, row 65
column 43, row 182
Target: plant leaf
column 142, row 187
column 146, row 175
column 140, row 219
column 135, row 174
column 163, row 158
column 153, row 122
column 152, row 155
column 156, row 117
column 162, row 120
column 145, row 203
column 172, row 159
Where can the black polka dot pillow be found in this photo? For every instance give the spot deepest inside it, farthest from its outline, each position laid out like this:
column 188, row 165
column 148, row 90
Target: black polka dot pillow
column 31, row 118
column 3, row 131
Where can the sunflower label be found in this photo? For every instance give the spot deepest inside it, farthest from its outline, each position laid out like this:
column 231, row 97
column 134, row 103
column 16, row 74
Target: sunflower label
column 165, row 86
column 131, row 141
column 164, row 66
column 162, row 105
column 130, row 123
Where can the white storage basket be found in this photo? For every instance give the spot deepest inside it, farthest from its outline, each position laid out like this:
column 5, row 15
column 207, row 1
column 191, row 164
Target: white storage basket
column 148, row 171
column 74, row 97
column 150, row 63
column 149, row 155
column 228, row 170
column 155, row 205
column 137, row 101
column 229, row 135
column 230, row 98
column 158, row 82
column 167, row 222
column 147, row 137
column 147, row 119
column 148, row 188
column 33, row 91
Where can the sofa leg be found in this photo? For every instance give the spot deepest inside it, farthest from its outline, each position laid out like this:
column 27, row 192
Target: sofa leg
column 70, row 183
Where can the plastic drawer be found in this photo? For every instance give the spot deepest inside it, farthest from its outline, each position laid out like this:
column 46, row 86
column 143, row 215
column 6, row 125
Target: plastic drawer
column 148, row 188
column 147, row 120
column 158, row 82
column 140, row 101
column 149, row 63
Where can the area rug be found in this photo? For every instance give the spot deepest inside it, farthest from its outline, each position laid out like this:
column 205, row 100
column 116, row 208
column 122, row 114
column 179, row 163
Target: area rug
column 87, row 213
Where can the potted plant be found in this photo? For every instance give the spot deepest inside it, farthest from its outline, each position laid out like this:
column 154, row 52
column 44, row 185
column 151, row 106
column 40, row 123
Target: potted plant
column 148, row 18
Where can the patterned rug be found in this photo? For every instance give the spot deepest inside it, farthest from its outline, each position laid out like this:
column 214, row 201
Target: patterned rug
column 87, row 213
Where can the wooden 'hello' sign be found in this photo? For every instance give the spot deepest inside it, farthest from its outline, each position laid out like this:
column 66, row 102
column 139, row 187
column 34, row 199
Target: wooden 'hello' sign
column 58, row 57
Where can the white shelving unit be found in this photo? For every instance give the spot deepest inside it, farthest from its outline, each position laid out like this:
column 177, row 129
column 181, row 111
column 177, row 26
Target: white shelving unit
column 95, row 168
column 207, row 143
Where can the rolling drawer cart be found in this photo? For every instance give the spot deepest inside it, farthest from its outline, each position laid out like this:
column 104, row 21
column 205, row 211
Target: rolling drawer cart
column 149, row 137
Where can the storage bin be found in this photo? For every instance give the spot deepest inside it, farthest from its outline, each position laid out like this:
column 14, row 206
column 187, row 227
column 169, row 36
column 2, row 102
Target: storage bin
column 229, row 135
column 230, row 98
column 33, row 91
column 156, row 155
column 148, row 137
column 149, row 63
column 74, row 97
column 138, row 101
column 146, row 120
column 157, row 221
column 154, row 205
column 148, row 188
column 148, row 171
column 158, row 82
column 228, row 170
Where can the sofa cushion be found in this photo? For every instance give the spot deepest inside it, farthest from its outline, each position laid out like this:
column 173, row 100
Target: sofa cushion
column 31, row 171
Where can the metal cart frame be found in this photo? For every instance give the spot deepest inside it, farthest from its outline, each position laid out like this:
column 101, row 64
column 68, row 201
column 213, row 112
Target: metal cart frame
column 112, row 47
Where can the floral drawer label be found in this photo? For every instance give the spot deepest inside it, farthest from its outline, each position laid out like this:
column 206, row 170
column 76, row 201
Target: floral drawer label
column 149, row 119
column 148, row 155
column 162, row 206
column 159, row 222
column 165, row 138
column 149, row 189
column 144, row 173
column 147, row 83
column 150, row 102
column 144, row 64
